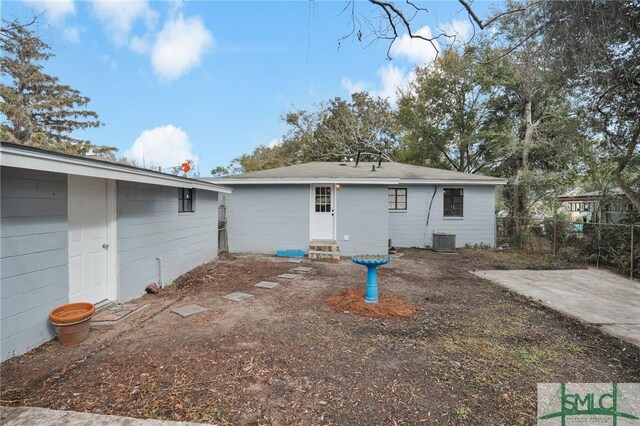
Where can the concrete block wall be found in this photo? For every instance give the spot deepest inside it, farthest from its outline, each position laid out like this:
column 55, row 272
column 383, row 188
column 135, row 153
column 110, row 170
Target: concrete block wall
column 150, row 226
column 266, row 218
column 362, row 213
column 408, row 228
column 33, row 256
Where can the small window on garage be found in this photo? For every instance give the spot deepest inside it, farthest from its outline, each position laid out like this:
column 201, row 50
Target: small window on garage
column 397, row 198
column 186, row 200
column 453, row 202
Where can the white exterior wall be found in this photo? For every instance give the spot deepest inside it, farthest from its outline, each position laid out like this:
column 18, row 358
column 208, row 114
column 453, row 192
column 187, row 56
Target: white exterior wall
column 266, row 218
column 362, row 214
column 408, row 228
column 149, row 226
column 33, row 266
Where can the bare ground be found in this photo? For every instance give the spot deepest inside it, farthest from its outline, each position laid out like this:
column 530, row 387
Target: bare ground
column 472, row 354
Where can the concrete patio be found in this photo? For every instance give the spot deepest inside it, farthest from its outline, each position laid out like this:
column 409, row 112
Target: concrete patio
column 597, row 297
column 29, row 416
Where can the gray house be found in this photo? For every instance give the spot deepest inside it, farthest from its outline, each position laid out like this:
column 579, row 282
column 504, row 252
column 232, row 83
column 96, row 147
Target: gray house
column 357, row 208
column 80, row 229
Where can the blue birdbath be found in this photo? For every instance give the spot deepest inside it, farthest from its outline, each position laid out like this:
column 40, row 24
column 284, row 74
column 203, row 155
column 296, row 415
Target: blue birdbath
column 371, row 262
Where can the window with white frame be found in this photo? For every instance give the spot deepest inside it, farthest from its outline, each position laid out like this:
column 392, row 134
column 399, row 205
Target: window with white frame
column 397, row 198
column 323, row 199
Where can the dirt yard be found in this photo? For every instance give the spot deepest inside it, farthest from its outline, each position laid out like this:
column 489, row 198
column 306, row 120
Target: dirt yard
column 472, row 354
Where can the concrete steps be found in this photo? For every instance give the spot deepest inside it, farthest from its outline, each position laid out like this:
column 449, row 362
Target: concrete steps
column 324, row 249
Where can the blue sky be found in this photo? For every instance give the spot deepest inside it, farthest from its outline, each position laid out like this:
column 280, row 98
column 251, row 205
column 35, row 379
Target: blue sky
column 209, row 80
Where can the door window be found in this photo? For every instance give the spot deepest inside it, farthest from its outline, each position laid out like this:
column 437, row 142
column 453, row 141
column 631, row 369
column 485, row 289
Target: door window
column 323, row 199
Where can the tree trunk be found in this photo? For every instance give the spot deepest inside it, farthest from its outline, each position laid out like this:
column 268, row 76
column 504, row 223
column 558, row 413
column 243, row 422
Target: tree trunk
column 626, row 188
column 519, row 205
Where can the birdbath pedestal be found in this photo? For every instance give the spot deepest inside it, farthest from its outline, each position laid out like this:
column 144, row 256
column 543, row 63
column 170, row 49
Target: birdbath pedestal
column 371, row 262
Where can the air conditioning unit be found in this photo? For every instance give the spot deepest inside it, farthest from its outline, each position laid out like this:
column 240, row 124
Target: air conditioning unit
column 444, row 243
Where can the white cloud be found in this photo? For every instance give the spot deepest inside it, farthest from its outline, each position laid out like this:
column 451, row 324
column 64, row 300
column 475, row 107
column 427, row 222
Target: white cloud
column 164, row 146
column 274, row 143
column 354, row 86
column 72, row 34
column 180, row 46
column 56, row 10
column 461, row 28
column 416, row 50
column 392, row 79
column 139, row 44
column 119, row 16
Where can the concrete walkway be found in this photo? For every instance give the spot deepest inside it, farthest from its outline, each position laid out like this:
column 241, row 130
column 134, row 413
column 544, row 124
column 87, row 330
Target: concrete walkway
column 29, row 416
column 597, row 297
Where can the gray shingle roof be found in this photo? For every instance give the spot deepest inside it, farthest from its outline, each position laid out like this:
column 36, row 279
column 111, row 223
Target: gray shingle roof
column 335, row 170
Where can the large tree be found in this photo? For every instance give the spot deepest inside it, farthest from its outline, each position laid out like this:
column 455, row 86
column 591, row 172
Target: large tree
column 39, row 110
column 336, row 131
column 596, row 45
column 446, row 115
column 546, row 144
column 341, row 128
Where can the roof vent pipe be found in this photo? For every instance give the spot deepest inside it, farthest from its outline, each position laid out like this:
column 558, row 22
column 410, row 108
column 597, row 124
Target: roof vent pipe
column 358, row 157
column 379, row 159
column 373, row 168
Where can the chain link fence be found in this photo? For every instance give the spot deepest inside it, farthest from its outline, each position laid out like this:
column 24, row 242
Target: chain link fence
column 612, row 245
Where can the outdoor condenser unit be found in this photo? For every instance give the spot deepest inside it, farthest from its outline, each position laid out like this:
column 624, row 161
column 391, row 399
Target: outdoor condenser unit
column 444, row 243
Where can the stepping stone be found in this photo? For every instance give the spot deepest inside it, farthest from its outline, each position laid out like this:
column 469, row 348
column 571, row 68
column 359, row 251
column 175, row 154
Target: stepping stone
column 111, row 316
column 303, row 269
column 238, row 296
column 288, row 276
column 189, row 310
column 294, row 261
column 266, row 284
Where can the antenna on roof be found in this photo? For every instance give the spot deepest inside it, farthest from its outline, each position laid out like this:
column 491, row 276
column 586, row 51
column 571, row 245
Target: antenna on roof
column 379, row 159
column 358, row 157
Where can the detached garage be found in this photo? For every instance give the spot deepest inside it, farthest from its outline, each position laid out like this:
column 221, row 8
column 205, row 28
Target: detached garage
column 84, row 229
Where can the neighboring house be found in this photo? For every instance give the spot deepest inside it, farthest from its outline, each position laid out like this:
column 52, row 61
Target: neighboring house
column 596, row 206
column 360, row 209
column 81, row 229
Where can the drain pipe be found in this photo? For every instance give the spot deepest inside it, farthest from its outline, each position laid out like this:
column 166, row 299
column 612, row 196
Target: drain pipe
column 426, row 226
column 160, row 272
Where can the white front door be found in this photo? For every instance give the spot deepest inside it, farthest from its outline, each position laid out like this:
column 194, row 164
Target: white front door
column 87, row 212
column 322, row 212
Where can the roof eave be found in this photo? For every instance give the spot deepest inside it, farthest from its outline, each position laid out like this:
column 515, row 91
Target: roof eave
column 357, row 181
column 50, row 162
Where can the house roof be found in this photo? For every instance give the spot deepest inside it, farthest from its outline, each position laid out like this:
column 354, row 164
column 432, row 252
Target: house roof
column 25, row 157
column 579, row 195
column 334, row 172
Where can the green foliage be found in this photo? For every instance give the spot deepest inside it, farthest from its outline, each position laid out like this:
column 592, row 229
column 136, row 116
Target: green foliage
column 595, row 45
column 446, row 114
column 549, row 259
column 611, row 245
column 547, row 143
column 336, row 131
column 463, row 412
column 38, row 110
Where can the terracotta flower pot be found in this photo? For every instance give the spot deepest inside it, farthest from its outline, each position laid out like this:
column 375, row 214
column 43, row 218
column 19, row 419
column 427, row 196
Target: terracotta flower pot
column 72, row 322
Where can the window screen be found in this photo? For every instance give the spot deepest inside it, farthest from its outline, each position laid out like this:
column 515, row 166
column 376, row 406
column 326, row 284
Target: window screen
column 453, row 204
column 323, row 199
column 397, row 198
column 186, row 202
